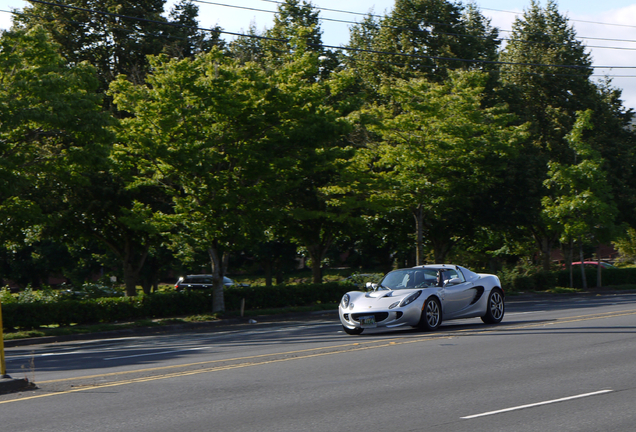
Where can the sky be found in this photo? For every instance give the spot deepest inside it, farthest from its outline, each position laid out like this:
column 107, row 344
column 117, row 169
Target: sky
column 607, row 28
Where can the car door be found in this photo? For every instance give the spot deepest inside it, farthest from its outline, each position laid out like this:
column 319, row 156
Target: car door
column 457, row 294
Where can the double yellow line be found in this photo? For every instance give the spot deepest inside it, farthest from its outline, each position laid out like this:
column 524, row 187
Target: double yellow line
column 264, row 359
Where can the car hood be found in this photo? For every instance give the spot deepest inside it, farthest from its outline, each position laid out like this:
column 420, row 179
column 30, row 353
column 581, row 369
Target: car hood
column 379, row 298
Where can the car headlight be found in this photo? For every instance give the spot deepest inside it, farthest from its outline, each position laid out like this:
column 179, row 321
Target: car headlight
column 411, row 298
column 394, row 305
column 345, row 301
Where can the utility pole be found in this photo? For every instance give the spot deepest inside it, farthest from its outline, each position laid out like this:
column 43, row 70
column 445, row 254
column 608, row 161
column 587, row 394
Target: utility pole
column 3, row 366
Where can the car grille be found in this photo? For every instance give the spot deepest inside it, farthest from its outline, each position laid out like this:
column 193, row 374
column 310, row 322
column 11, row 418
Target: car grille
column 379, row 316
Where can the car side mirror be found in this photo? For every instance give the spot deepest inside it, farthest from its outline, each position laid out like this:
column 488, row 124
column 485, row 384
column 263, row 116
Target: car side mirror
column 371, row 286
column 455, row 281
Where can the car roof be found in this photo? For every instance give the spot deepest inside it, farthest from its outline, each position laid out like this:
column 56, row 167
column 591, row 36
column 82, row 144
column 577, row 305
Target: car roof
column 439, row 266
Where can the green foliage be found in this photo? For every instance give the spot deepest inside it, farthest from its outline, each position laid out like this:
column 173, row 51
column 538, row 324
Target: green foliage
column 580, row 201
column 527, row 280
column 113, row 45
column 440, row 155
column 519, row 280
column 626, row 246
column 6, row 296
column 418, row 39
column 277, row 296
column 32, row 313
column 223, row 151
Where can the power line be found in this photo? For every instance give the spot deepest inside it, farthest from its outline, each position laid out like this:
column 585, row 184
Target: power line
column 411, row 29
column 569, row 19
column 398, row 28
column 481, row 8
column 354, row 50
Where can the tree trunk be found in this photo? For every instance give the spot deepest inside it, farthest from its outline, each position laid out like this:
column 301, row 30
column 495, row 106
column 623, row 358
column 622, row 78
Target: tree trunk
column 218, row 302
column 544, row 240
column 419, row 235
column 130, row 280
column 317, row 252
column 546, row 252
column 599, row 282
column 267, row 266
column 131, row 271
column 316, row 255
column 570, row 256
column 583, row 276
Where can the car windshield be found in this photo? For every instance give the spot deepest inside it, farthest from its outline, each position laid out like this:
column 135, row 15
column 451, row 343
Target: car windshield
column 418, row 278
column 409, row 279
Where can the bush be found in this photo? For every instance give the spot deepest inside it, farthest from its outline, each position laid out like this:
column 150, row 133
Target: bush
column 281, row 296
column 518, row 280
column 609, row 277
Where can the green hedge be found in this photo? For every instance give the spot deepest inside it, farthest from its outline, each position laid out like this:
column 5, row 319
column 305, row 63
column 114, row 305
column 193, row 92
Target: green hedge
column 542, row 281
column 609, row 277
column 281, row 296
column 165, row 305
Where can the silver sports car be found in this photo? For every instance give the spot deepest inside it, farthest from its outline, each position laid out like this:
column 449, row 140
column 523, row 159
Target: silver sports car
column 421, row 297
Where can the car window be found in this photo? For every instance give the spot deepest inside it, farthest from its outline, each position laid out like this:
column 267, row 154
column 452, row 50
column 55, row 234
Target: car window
column 454, row 274
column 198, row 280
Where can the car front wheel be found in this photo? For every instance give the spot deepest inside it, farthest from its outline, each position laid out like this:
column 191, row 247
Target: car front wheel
column 352, row 331
column 431, row 315
column 495, row 308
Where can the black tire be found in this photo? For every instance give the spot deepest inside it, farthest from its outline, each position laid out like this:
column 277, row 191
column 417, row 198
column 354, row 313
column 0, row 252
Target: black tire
column 431, row 317
column 352, row 331
column 496, row 307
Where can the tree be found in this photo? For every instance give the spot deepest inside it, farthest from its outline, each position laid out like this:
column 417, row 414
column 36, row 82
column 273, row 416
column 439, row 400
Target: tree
column 546, row 80
column 53, row 135
column 224, row 139
column 187, row 38
column 116, row 36
column 248, row 48
column 580, row 202
column 440, row 153
column 113, row 210
column 422, row 38
column 296, row 30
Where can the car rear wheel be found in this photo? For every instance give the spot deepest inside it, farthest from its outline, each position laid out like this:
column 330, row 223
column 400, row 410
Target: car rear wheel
column 352, row 331
column 431, row 315
column 495, row 308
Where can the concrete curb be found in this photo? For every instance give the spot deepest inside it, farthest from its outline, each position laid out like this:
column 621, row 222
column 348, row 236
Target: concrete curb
column 10, row 385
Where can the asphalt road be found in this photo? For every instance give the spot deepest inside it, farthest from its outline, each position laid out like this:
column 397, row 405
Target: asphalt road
column 563, row 364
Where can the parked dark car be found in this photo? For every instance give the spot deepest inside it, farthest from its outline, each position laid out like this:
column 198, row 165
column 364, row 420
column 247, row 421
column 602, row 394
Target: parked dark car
column 199, row 282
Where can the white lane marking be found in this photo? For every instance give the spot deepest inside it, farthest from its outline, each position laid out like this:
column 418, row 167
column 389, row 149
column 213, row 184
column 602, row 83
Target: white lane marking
column 155, row 353
column 536, row 404
column 523, row 313
column 33, row 356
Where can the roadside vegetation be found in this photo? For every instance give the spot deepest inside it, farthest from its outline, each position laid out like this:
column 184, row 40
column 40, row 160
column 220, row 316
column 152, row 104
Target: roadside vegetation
column 50, row 312
column 134, row 151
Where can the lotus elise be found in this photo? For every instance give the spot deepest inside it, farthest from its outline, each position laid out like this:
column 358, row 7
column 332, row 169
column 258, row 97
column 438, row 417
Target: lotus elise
column 422, row 297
